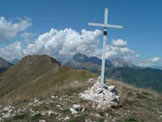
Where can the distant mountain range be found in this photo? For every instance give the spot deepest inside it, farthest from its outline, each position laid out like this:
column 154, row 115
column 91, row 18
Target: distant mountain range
column 156, row 67
column 111, row 63
column 115, row 69
column 4, row 65
column 120, row 70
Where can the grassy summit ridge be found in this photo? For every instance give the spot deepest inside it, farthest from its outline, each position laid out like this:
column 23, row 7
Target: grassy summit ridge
column 36, row 75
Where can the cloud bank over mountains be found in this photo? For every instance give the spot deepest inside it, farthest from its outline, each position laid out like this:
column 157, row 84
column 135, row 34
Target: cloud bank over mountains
column 63, row 44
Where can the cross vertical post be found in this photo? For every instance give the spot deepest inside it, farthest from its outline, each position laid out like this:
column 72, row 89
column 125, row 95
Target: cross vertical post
column 105, row 26
column 104, row 45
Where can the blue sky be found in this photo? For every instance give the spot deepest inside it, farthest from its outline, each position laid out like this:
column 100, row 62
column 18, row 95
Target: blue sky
column 141, row 19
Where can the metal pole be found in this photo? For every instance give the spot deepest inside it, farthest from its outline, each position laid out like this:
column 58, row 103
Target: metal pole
column 103, row 57
column 104, row 45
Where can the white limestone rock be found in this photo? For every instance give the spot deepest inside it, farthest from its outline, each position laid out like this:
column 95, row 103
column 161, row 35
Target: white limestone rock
column 51, row 113
column 42, row 120
column 73, row 111
column 66, row 118
column 54, row 97
column 76, row 109
column 91, row 80
column 103, row 95
column 1, row 120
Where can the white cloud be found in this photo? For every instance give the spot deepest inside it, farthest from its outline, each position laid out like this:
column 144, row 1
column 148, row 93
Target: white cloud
column 119, row 42
column 12, row 51
column 155, row 59
column 9, row 29
column 27, row 35
column 65, row 43
column 119, row 48
column 119, row 51
column 146, row 62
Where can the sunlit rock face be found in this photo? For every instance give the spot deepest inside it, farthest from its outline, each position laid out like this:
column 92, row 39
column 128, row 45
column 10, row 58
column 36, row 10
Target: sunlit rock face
column 105, row 96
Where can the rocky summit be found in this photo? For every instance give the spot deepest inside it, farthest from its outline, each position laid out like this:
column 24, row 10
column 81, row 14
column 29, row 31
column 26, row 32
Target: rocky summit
column 105, row 96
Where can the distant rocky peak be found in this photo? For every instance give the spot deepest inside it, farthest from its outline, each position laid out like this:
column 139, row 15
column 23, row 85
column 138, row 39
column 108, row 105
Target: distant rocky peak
column 4, row 64
column 109, row 63
column 80, row 57
column 14, row 61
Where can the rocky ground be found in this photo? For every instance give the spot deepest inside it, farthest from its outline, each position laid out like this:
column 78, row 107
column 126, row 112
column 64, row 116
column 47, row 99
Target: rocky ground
column 135, row 106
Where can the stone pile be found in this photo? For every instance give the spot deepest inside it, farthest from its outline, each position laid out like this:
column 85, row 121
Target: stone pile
column 104, row 96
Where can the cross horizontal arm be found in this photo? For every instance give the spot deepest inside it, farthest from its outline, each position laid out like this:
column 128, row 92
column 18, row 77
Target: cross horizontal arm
column 115, row 26
column 105, row 25
column 96, row 24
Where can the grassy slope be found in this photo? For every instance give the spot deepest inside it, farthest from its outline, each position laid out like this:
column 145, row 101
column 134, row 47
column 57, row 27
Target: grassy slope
column 142, row 78
column 34, row 76
column 136, row 105
column 142, row 104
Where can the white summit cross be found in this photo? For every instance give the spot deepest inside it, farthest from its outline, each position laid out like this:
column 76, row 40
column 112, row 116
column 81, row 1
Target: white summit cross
column 105, row 26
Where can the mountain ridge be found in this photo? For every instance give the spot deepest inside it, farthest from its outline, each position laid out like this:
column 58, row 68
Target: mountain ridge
column 109, row 63
column 131, row 74
column 40, row 73
column 4, row 65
